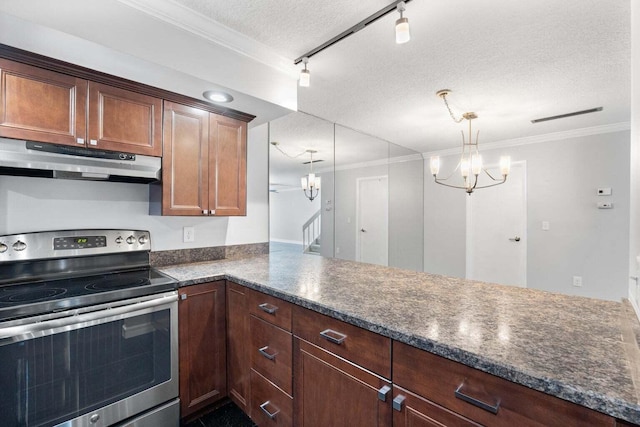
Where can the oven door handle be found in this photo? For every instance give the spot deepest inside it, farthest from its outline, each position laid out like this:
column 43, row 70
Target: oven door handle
column 74, row 321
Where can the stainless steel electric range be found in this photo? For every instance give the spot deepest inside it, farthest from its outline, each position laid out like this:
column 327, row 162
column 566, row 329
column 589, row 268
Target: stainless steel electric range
column 88, row 331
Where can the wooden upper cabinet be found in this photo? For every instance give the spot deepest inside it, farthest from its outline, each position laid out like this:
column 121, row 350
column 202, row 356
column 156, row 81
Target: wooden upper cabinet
column 185, row 163
column 46, row 106
column 41, row 105
column 121, row 120
column 204, row 165
column 228, row 172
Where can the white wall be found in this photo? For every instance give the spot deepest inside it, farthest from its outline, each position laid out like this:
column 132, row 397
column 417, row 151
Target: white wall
column 562, row 179
column 634, row 244
column 37, row 204
column 405, row 212
column 289, row 210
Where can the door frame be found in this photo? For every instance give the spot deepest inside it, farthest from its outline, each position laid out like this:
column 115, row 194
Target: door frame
column 358, row 180
column 469, row 215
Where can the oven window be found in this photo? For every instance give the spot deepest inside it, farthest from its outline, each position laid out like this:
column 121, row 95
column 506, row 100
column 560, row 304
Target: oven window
column 49, row 380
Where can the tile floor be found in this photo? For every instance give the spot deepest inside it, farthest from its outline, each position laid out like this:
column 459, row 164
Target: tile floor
column 228, row 415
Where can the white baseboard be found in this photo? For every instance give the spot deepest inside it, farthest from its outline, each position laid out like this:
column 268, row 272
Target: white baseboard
column 293, row 242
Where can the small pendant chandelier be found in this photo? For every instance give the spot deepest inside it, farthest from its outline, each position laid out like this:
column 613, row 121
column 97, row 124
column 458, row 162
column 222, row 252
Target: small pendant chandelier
column 310, row 183
column 470, row 164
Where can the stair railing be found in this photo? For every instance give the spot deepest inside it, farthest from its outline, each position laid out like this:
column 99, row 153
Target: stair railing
column 311, row 230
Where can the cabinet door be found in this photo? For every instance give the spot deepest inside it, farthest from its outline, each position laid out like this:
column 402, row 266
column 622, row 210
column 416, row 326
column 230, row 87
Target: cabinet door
column 202, row 346
column 185, row 163
column 41, row 105
column 238, row 345
column 228, row 166
column 121, row 120
column 410, row 410
column 330, row 391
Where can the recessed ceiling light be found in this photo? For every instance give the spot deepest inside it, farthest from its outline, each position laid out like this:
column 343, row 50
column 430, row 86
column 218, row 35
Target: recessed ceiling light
column 217, row 96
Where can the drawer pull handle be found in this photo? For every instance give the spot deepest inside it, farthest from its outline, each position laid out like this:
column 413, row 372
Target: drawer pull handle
column 333, row 336
column 398, row 401
column 271, row 415
column 383, row 393
column 268, row 308
column 475, row 402
column 263, row 351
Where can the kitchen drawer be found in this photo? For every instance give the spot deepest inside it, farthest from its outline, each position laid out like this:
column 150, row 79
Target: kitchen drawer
column 271, row 353
column 270, row 405
column 364, row 348
column 271, row 309
column 411, row 410
column 465, row 390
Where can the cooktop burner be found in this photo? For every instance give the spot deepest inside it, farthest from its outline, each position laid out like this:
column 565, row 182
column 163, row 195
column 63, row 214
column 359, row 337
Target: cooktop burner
column 109, row 283
column 46, row 296
column 22, row 296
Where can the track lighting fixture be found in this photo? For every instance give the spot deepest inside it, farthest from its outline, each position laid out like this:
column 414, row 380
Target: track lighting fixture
column 305, row 75
column 403, row 34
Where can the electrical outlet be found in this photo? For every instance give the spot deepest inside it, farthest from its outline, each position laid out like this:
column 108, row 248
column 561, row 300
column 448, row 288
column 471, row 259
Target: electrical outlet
column 577, row 281
column 188, row 234
column 545, row 225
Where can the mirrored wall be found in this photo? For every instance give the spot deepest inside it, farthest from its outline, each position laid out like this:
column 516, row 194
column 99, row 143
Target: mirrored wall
column 369, row 206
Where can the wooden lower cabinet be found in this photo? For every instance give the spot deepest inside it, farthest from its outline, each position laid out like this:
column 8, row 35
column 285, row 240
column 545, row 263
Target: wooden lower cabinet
column 411, row 410
column 270, row 405
column 202, row 347
column 238, row 346
column 330, row 391
column 484, row 398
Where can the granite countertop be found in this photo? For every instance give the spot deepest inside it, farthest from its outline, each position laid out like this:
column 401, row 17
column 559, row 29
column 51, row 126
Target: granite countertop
column 579, row 349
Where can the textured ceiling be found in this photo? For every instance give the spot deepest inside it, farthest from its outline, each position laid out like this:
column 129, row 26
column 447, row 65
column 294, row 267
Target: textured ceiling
column 508, row 61
column 291, row 27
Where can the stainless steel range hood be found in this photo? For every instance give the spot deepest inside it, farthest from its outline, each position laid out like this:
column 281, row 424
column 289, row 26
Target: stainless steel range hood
column 26, row 158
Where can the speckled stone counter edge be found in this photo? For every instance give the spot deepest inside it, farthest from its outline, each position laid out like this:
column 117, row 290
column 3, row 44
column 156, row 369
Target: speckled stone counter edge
column 213, row 253
column 614, row 407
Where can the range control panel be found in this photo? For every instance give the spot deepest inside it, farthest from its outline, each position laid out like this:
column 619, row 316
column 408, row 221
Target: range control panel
column 82, row 242
column 69, row 243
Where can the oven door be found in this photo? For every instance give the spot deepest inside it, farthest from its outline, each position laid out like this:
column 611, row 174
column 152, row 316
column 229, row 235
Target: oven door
column 92, row 366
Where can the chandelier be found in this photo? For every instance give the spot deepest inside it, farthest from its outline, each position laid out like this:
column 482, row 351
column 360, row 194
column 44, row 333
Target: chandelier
column 311, row 182
column 470, row 164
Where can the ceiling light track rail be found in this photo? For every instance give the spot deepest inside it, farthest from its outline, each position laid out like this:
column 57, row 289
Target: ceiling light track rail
column 359, row 26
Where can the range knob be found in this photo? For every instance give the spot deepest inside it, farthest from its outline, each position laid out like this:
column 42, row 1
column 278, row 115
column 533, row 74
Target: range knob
column 143, row 239
column 19, row 246
column 131, row 240
column 3, row 248
column 119, row 239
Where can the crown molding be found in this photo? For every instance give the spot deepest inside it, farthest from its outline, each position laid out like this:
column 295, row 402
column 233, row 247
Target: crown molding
column 381, row 162
column 202, row 26
column 536, row 139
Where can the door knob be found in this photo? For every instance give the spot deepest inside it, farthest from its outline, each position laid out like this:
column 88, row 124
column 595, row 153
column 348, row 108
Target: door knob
column 515, row 239
column 363, row 230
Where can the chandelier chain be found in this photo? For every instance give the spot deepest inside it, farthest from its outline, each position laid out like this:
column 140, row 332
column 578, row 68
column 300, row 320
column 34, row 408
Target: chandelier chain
column 444, row 98
column 277, row 147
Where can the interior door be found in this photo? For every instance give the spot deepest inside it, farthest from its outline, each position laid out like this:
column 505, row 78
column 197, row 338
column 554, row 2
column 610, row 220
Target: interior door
column 496, row 230
column 372, row 210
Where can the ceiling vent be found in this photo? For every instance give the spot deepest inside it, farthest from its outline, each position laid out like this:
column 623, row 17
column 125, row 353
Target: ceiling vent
column 563, row 116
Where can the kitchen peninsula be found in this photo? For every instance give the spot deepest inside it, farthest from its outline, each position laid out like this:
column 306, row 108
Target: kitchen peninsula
column 578, row 349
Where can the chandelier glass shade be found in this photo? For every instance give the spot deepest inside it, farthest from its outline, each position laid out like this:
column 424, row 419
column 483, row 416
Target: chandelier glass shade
column 470, row 165
column 311, row 183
